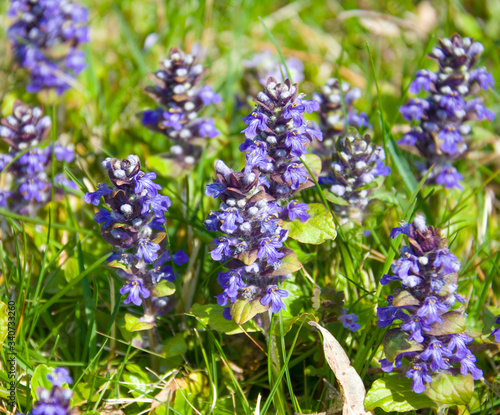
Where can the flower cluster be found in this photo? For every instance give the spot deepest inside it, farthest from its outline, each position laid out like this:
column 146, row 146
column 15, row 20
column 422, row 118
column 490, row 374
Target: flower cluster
column 132, row 223
column 255, row 201
column 27, row 161
column 57, row 400
column 439, row 132
column 331, row 114
column 427, row 336
column 266, row 64
column 45, row 37
column 277, row 136
column 180, row 99
column 356, row 164
column 252, row 248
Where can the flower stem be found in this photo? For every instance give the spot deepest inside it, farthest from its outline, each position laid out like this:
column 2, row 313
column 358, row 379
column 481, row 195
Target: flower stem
column 153, row 335
column 273, row 360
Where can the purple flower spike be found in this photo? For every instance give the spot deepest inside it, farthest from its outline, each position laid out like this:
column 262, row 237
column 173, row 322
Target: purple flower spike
column 268, row 249
column 423, row 80
column 356, row 164
column 208, row 96
column 133, row 223
column 180, row 102
column 414, row 109
column 256, row 200
column 467, row 364
column 147, row 250
column 28, row 161
column 59, row 376
column 439, row 131
column 274, row 296
column 40, row 32
column 136, row 290
column 95, row 197
column 296, row 210
column 420, row 375
column 256, row 120
column 449, row 177
column 57, row 400
column 331, row 116
column 425, row 308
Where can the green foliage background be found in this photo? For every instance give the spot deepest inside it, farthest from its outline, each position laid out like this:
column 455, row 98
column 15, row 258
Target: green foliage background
column 69, row 308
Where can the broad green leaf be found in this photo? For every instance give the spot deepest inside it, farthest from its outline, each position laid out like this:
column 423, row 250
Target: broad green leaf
column 81, row 393
column 211, row 315
column 450, row 389
column 396, row 342
column 314, row 163
column 163, row 289
column 158, row 237
column 336, row 200
column 376, row 207
column 133, row 323
column 137, row 381
column 490, row 315
column 316, row 230
column 404, row 298
column 295, row 300
column 289, row 264
column 166, row 167
column 394, row 393
column 453, row 322
column 174, row 346
column 468, row 25
column 40, row 380
column 244, row 310
column 385, row 196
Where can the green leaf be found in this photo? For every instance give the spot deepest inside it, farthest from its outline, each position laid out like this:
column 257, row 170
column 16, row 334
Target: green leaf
column 4, row 323
column 40, row 380
column 244, row 310
column 211, row 315
column 394, row 393
column 166, row 167
column 404, row 298
column 163, row 289
column 138, row 381
column 133, row 323
column 396, row 342
column 468, row 25
column 450, row 389
column 295, row 300
column 336, row 200
column 453, row 322
column 80, row 394
column 316, row 230
column 118, row 264
column 158, row 237
column 490, row 314
column 376, row 207
column 174, row 346
column 314, row 164
column 289, row 264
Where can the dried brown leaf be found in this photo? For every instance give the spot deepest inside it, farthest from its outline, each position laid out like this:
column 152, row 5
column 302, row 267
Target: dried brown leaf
column 351, row 385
